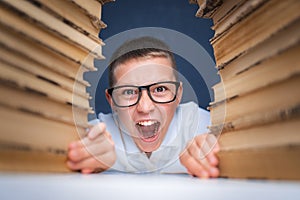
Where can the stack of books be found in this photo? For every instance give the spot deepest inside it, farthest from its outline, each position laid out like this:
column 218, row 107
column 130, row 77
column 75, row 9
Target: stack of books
column 256, row 105
column 46, row 46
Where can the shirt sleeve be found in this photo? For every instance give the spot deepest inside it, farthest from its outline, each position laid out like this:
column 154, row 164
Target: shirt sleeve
column 204, row 121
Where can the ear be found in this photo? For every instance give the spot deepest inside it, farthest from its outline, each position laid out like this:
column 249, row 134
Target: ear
column 109, row 99
column 179, row 93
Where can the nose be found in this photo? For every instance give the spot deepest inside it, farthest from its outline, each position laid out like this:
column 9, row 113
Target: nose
column 145, row 105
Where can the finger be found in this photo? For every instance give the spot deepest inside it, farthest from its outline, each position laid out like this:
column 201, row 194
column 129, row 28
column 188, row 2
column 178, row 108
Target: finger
column 213, row 142
column 203, row 142
column 216, row 148
column 86, row 141
column 209, row 145
column 96, row 130
column 201, row 150
column 192, row 165
column 74, row 144
column 83, row 143
column 86, row 166
column 210, row 163
column 94, row 149
column 93, row 163
column 87, row 171
column 212, row 159
column 204, row 161
column 205, row 156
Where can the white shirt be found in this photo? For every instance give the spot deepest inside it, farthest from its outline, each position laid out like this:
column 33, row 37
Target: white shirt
column 189, row 120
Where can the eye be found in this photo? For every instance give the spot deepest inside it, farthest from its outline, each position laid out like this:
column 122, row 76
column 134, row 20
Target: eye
column 160, row 89
column 129, row 92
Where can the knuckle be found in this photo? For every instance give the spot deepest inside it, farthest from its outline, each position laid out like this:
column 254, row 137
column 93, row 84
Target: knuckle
column 181, row 159
column 110, row 162
column 96, row 163
column 188, row 159
column 73, row 155
column 200, row 137
column 73, row 166
column 103, row 125
column 111, row 147
column 183, row 155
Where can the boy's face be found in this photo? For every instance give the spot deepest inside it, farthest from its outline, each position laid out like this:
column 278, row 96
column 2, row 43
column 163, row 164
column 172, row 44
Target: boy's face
column 147, row 121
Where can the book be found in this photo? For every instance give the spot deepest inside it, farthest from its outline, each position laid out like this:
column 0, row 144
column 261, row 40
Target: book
column 22, row 62
column 193, row 1
column 231, row 13
column 225, row 10
column 267, row 135
column 42, row 55
column 278, row 42
column 279, row 162
column 247, row 34
column 268, row 151
column 104, row 1
column 45, row 49
column 35, row 102
column 26, row 80
column 206, row 7
column 279, row 95
column 88, row 23
column 92, row 9
column 35, row 131
column 27, row 160
column 44, row 37
column 257, row 119
column 279, row 67
column 35, row 144
column 52, row 24
column 256, row 108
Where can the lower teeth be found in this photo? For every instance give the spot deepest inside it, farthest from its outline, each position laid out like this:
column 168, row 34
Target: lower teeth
column 148, row 131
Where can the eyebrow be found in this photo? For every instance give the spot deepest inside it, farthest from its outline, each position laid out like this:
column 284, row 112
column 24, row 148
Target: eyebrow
column 157, row 81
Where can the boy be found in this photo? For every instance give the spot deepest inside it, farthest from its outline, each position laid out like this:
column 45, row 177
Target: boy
column 148, row 130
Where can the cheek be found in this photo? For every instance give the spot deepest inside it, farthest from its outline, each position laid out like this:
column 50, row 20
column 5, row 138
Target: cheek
column 126, row 116
column 167, row 112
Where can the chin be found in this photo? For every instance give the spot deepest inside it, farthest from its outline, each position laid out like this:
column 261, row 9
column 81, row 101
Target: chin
column 148, row 146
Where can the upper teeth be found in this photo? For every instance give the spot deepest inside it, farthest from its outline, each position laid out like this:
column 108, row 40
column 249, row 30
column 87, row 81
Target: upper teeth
column 146, row 123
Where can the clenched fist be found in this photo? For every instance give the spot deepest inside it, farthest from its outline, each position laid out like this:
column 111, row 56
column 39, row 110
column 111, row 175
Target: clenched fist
column 93, row 153
column 199, row 156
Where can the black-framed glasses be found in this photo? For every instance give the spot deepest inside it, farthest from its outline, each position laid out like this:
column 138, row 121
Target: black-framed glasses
column 130, row 95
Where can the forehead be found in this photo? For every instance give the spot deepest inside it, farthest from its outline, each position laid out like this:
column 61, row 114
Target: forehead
column 141, row 71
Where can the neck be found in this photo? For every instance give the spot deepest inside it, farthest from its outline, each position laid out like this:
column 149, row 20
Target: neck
column 148, row 154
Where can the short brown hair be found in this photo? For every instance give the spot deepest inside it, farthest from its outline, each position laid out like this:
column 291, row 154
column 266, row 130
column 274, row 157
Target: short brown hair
column 139, row 48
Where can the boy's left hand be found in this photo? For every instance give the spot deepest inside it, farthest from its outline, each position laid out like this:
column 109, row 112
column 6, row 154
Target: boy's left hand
column 199, row 157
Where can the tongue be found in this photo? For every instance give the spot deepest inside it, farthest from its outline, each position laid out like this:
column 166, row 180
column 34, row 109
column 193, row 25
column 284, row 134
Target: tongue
column 147, row 131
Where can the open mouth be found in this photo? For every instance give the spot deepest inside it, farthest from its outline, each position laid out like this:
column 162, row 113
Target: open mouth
column 148, row 130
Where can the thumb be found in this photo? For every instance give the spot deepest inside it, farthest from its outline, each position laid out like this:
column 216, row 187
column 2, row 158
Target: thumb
column 213, row 141
column 96, row 130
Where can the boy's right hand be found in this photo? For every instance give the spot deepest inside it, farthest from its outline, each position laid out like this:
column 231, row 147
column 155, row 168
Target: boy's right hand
column 93, row 153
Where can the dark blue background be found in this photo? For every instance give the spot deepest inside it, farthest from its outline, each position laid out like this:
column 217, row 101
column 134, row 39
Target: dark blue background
column 178, row 15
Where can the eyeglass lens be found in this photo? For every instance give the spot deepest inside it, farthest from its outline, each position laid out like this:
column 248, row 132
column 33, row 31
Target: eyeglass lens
column 129, row 95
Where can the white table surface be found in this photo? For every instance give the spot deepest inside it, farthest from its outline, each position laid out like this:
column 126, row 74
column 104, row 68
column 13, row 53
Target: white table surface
column 106, row 186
